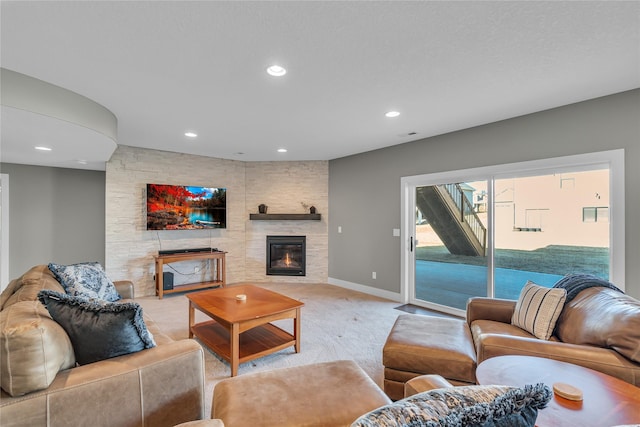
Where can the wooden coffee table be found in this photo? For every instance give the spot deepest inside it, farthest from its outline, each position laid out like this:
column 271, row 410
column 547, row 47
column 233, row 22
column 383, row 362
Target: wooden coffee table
column 607, row 401
column 241, row 330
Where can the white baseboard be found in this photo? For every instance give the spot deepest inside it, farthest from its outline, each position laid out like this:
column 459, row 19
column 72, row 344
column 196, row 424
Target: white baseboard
column 393, row 296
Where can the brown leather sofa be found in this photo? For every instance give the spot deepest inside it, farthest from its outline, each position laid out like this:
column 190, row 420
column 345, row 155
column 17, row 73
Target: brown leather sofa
column 598, row 329
column 160, row 386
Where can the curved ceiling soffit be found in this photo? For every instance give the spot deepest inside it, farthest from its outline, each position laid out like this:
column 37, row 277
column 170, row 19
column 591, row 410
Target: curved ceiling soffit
column 81, row 133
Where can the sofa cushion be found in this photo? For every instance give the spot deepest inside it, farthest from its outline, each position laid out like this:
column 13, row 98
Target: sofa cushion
column 33, row 348
column 484, row 406
column 538, row 309
column 27, row 286
column 99, row 330
column 87, row 279
column 602, row 317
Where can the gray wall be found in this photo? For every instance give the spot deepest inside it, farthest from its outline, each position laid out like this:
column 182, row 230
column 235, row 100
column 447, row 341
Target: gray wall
column 364, row 189
column 55, row 214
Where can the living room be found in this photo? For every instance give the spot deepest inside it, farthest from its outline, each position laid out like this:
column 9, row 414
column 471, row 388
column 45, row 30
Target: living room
column 99, row 215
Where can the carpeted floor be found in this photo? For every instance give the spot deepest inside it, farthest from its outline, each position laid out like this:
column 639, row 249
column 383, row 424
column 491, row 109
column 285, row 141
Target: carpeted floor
column 337, row 323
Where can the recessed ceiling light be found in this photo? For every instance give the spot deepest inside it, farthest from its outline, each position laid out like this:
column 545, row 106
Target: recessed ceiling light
column 82, row 162
column 42, row 148
column 282, row 150
column 276, row 71
column 392, row 113
column 190, row 134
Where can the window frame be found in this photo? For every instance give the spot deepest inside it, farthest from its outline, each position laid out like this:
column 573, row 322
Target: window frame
column 612, row 159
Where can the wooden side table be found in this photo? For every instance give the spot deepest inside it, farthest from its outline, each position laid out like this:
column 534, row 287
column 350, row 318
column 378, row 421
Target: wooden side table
column 607, row 401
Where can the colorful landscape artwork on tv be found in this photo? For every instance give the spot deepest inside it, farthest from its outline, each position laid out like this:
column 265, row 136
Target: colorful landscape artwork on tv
column 178, row 207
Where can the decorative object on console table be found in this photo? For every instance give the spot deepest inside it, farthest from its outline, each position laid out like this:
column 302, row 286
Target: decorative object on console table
column 218, row 271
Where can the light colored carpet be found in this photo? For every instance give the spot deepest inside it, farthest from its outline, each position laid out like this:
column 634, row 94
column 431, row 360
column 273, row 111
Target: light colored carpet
column 337, row 323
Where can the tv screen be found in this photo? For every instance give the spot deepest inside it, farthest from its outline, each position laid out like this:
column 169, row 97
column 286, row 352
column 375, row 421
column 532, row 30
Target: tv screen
column 184, row 207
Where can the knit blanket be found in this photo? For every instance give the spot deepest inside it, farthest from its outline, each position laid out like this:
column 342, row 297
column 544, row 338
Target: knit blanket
column 576, row 283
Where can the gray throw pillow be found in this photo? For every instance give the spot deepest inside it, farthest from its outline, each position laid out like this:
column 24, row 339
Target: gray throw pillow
column 98, row 330
column 87, row 279
column 468, row 406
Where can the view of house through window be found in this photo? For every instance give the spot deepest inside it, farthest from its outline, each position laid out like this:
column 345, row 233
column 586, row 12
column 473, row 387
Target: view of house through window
column 545, row 226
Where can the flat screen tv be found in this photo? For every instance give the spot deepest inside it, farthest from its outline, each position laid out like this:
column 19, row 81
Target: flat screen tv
column 185, row 207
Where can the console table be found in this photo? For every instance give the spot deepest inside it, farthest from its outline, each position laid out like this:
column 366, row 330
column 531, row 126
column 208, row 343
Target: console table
column 218, row 270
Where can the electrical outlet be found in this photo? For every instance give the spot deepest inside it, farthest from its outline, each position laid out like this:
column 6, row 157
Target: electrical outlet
column 373, row 274
column 339, row 229
column 196, row 269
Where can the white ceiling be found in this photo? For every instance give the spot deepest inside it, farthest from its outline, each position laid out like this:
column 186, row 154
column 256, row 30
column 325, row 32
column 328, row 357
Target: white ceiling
column 167, row 67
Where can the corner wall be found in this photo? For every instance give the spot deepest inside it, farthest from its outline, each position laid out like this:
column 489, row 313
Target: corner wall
column 281, row 185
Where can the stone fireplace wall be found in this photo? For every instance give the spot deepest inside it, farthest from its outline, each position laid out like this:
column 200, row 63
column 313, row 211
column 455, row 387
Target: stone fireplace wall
column 283, row 186
column 288, row 187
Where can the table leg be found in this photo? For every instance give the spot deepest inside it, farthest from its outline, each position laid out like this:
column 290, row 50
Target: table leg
column 192, row 316
column 159, row 278
column 296, row 330
column 235, row 348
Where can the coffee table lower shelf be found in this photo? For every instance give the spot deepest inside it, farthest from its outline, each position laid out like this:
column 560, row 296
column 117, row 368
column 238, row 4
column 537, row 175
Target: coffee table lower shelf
column 254, row 343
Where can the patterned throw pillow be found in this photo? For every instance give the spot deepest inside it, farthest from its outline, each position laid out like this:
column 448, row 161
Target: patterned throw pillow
column 87, row 279
column 538, row 309
column 98, row 330
column 468, row 406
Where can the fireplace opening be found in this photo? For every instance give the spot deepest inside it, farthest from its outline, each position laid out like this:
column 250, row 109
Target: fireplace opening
column 286, row 255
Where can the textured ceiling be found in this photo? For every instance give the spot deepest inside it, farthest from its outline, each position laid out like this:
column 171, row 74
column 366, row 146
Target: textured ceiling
column 167, row 67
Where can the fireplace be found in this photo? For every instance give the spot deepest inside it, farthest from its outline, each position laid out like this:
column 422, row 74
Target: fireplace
column 286, row 255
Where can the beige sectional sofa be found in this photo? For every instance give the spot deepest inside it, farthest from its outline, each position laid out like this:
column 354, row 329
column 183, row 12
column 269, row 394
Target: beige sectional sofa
column 42, row 386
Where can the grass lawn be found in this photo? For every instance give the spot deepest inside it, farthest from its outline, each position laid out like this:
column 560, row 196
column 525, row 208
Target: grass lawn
column 553, row 259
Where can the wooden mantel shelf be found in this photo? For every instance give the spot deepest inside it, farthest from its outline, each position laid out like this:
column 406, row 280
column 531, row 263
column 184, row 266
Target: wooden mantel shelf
column 285, row 217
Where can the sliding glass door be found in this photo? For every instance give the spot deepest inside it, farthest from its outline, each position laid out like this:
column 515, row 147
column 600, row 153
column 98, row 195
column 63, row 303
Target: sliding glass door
column 450, row 242
column 486, row 232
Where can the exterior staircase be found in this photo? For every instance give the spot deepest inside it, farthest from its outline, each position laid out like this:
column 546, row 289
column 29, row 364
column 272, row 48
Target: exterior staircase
column 453, row 218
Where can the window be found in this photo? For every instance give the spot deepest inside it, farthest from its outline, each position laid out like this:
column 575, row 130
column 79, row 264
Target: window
column 595, row 214
column 486, row 231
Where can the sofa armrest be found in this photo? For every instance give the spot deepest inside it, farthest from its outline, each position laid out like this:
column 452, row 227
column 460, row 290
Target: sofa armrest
column 125, row 288
column 499, row 310
column 160, row 386
column 425, row 383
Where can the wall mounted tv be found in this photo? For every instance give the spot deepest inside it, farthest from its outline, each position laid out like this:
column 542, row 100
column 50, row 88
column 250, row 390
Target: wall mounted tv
column 185, row 207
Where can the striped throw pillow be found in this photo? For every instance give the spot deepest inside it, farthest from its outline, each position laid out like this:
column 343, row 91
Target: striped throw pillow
column 538, row 309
